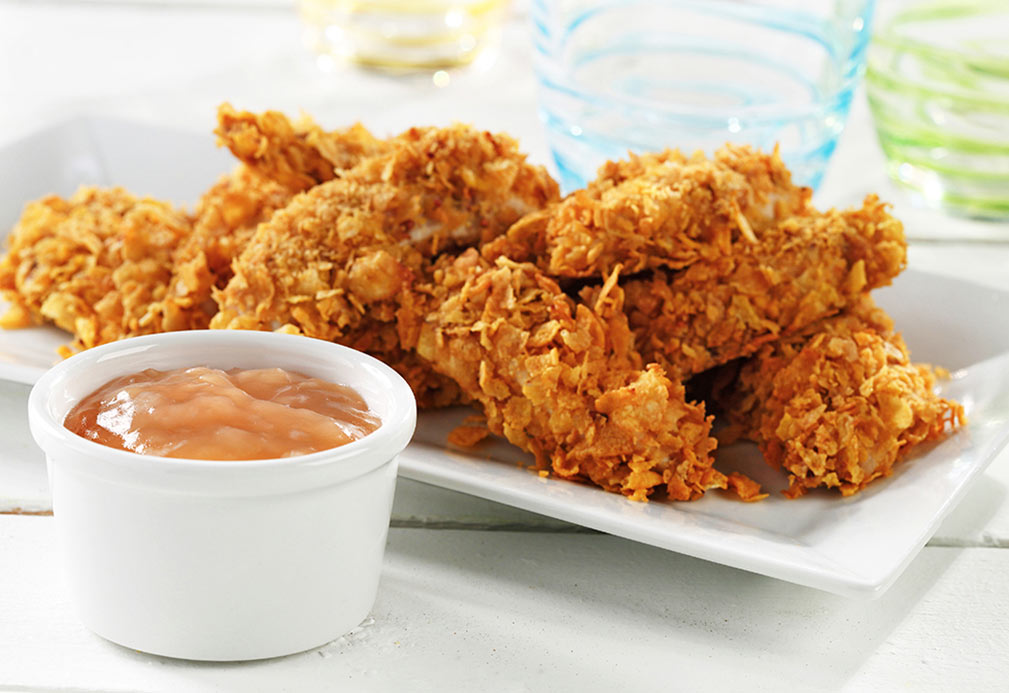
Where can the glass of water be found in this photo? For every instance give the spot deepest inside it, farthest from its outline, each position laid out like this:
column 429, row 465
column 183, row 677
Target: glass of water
column 643, row 75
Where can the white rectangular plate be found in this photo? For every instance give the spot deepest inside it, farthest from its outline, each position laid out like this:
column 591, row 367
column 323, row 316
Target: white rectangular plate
column 852, row 546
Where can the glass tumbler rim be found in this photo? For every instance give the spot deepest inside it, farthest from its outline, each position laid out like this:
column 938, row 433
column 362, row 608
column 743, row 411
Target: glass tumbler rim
column 708, row 115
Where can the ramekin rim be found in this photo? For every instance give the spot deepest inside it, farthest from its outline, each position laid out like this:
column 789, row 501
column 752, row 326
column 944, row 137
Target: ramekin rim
column 393, row 434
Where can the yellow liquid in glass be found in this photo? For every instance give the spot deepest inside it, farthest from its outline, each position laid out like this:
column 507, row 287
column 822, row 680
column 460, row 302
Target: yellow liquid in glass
column 401, row 34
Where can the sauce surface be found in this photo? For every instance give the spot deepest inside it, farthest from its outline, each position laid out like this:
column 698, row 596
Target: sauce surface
column 210, row 414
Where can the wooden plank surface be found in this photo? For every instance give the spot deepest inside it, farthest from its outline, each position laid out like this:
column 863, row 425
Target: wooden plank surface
column 540, row 611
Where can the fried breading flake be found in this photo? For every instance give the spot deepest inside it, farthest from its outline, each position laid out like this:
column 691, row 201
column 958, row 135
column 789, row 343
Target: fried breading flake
column 227, row 215
column 745, row 488
column 801, row 270
column 297, row 155
column 470, row 432
column 657, row 211
column 556, row 379
column 838, row 405
column 97, row 264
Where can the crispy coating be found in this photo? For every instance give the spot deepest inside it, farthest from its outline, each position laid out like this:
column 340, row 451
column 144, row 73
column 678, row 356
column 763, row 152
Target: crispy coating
column 560, row 380
column 358, row 241
column 337, row 261
column 839, row 404
column 382, row 340
column 331, row 264
column 804, row 269
column 657, row 211
column 227, row 216
column 225, row 220
column 97, row 264
column 295, row 155
column 475, row 184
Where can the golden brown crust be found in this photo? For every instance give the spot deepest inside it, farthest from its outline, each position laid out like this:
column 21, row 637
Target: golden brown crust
column 337, row 262
column 97, row 264
column 295, row 155
column 475, row 184
column 839, row 404
column 557, row 379
column 226, row 218
column 656, row 211
column 322, row 262
column 804, row 269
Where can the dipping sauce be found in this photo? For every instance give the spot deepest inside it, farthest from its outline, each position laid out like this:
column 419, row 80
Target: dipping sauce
column 210, row 414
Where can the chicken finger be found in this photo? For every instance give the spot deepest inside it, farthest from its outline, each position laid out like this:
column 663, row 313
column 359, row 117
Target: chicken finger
column 559, row 379
column 656, row 211
column 800, row 271
column 97, row 264
column 839, row 404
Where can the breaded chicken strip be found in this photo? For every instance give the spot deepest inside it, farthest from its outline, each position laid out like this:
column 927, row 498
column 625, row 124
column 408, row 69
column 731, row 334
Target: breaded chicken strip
column 657, row 211
column 225, row 220
column 75, row 247
column 295, row 155
column 839, row 404
column 331, row 264
column 337, row 260
column 97, row 264
column 474, row 184
column 799, row 271
column 560, row 380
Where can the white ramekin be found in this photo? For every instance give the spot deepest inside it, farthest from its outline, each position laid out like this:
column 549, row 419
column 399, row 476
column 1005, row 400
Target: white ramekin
column 222, row 560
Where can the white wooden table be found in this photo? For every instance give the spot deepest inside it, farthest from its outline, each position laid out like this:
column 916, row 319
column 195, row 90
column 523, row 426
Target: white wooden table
column 476, row 595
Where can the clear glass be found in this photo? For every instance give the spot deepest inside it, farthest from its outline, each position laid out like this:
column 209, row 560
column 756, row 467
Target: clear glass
column 643, row 75
column 402, row 35
column 938, row 86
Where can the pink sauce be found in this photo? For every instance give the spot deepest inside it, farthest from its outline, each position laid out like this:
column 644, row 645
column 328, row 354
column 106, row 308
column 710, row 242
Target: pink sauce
column 210, row 414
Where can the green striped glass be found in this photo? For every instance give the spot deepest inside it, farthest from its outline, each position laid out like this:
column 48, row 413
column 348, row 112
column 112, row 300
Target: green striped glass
column 938, row 87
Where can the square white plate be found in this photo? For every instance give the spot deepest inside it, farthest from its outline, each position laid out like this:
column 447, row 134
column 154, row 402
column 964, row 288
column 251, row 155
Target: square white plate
column 852, row 546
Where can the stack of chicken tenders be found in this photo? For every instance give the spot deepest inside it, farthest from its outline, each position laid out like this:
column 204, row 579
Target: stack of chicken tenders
column 572, row 323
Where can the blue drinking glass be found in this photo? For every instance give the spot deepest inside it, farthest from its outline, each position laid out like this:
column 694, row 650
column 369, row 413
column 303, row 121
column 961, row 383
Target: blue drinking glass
column 643, row 75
